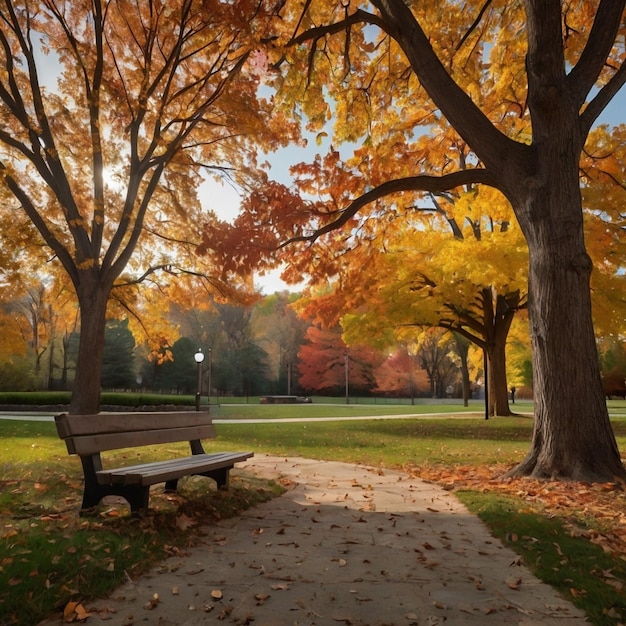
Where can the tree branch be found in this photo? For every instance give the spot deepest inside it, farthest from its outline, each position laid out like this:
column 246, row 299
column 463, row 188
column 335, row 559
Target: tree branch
column 412, row 183
column 599, row 43
column 602, row 99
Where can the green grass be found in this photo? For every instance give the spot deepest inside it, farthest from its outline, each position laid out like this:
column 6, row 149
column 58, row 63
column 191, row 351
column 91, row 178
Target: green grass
column 579, row 569
column 387, row 442
column 331, row 409
column 49, row 555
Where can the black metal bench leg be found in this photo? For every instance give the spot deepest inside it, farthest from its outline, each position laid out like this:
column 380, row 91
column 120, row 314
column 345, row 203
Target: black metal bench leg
column 138, row 498
column 92, row 490
column 221, row 477
column 90, row 499
column 171, row 485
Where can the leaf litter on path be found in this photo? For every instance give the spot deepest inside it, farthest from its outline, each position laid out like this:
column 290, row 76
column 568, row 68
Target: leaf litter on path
column 600, row 507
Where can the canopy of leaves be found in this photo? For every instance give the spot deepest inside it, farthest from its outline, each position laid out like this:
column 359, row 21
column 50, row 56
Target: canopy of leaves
column 113, row 114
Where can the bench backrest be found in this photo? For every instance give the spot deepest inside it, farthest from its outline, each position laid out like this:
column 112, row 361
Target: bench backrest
column 90, row 434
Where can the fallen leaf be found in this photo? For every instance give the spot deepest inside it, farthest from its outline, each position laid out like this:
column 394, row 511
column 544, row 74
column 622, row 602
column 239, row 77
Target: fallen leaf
column 611, row 613
column 68, row 611
column 513, row 582
column 152, row 603
column 81, row 613
column 280, row 586
column 184, row 522
column 216, row 594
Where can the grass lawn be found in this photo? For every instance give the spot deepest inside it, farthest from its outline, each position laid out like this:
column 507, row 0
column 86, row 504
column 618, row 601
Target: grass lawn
column 572, row 535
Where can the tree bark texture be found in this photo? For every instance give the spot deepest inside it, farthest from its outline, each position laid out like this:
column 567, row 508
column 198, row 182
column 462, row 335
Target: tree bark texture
column 92, row 300
column 573, row 437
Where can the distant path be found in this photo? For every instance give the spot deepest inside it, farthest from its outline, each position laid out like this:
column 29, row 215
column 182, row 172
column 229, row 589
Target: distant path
column 49, row 417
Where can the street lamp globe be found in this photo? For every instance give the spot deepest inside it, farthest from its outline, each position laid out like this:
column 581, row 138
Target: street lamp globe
column 199, row 356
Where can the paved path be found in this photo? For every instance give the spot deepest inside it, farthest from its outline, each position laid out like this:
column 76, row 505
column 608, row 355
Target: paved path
column 346, row 545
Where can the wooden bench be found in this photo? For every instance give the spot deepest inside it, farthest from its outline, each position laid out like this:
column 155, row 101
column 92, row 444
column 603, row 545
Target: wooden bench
column 284, row 400
column 89, row 435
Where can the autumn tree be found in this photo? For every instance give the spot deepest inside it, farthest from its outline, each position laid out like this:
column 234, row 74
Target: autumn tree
column 433, row 355
column 326, row 364
column 613, row 359
column 399, row 375
column 522, row 84
column 109, row 114
column 455, row 262
column 15, row 373
column 279, row 330
column 602, row 167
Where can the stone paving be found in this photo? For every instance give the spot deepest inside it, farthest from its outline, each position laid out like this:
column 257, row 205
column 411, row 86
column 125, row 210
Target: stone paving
column 346, row 545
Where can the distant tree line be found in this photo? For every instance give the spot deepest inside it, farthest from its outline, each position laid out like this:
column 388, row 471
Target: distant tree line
column 266, row 348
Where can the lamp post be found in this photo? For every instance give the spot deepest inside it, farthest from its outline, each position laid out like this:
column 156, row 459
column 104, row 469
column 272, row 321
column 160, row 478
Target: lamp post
column 198, row 358
column 346, row 364
column 208, row 395
column 486, row 370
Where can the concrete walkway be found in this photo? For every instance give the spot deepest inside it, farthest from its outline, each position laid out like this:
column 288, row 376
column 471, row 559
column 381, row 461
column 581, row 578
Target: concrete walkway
column 346, row 545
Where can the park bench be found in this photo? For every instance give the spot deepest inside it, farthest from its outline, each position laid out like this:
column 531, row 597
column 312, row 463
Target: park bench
column 284, row 400
column 89, row 435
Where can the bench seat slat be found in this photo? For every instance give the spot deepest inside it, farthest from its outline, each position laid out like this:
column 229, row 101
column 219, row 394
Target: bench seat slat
column 162, row 471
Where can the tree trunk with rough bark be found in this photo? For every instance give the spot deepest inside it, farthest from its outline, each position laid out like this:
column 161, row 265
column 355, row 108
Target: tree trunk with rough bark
column 573, row 438
column 92, row 299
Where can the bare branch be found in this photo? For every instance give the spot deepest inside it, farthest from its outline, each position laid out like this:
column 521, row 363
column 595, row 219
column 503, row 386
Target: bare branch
column 473, row 27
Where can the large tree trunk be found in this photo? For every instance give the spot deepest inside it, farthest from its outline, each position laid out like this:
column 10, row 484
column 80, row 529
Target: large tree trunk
column 92, row 299
column 572, row 438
